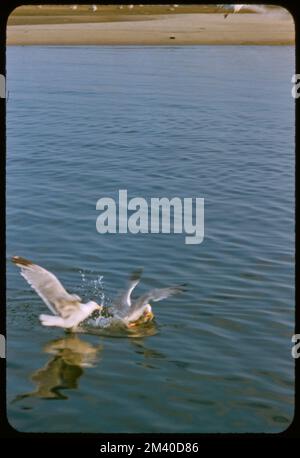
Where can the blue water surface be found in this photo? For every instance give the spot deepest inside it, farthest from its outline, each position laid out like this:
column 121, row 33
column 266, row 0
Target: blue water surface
column 202, row 121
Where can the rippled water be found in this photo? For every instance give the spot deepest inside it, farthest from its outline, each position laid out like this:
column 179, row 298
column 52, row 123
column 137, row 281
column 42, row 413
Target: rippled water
column 212, row 122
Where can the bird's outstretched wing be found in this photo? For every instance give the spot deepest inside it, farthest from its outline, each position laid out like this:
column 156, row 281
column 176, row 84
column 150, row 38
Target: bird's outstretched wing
column 155, row 295
column 48, row 287
column 123, row 301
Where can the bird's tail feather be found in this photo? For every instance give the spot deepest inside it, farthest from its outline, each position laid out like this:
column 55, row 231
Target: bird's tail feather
column 50, row 320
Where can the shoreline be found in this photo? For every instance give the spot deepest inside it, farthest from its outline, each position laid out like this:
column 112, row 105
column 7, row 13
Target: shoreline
column 177, row 29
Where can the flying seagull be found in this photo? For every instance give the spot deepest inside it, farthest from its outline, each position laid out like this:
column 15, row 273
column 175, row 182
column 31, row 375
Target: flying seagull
column 68, row 310
column 136, row 311
column 235, row 8
column 238, row 8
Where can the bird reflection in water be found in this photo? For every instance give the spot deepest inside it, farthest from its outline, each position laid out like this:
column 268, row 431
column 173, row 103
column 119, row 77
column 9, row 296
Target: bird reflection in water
column 70, row 356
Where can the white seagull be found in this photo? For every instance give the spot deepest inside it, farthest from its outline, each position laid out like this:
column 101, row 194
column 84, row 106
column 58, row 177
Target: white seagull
column 238, row 8
column 132, row 312
column 68, row 310
column 94, row 8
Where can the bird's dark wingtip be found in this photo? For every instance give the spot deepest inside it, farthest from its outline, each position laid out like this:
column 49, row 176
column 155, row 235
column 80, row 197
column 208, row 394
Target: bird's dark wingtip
column 182, row 288
column 136, row 275
column 19, row 261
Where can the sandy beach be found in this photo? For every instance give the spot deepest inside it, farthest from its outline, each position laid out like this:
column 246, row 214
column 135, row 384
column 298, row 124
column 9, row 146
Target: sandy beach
column 167, row 29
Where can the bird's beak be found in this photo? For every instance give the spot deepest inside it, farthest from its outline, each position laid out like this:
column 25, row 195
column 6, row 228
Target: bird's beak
column 100, row 307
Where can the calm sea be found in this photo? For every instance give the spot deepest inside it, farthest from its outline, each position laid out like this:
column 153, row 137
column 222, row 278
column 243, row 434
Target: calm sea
column 199, row 121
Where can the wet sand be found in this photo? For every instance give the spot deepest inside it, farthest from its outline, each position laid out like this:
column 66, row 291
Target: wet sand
column 168, row 29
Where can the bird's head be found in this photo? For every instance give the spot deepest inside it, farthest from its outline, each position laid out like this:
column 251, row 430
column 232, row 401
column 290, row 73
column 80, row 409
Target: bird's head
column 148, row 315
column 93, row 306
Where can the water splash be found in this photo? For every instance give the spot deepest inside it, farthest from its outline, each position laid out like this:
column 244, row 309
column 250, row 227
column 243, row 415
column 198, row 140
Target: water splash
column 92, row 288
column 109, row 321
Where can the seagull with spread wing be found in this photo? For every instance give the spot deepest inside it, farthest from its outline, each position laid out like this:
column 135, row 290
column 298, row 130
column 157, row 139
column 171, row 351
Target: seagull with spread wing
column 136, row 311
column 68, row 310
